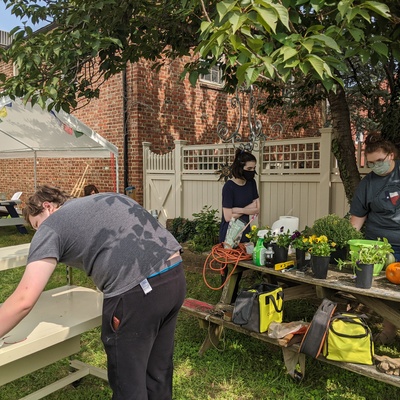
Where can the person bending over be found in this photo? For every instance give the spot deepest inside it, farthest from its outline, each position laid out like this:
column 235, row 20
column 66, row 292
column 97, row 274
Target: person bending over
column 132, row 259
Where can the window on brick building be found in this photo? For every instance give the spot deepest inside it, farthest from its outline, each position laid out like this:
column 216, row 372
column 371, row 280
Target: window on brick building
column 214, row 77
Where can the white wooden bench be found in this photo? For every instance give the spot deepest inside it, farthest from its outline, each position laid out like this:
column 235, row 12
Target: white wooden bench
column 12, row 221
column 51, row 331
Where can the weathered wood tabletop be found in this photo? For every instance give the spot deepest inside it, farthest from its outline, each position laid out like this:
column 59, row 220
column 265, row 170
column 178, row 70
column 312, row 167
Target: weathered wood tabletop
column 383, row 297
column 336, row 279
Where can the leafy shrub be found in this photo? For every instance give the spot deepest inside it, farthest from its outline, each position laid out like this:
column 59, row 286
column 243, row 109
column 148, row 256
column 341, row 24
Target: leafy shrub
column 337, row 229
column 207, row 229
column 182, row 229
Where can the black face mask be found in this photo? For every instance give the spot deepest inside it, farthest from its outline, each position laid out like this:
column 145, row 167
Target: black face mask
column 248, row 175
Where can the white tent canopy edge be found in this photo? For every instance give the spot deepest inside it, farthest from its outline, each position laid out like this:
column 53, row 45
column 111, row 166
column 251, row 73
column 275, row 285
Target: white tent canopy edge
column 29, row 131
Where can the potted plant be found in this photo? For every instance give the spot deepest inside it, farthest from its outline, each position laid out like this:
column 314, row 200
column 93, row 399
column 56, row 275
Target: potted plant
column 320, row 249
column 338, row 230
column 281, row 242
column 301, row 244
column 370, row 252
column 253, row 234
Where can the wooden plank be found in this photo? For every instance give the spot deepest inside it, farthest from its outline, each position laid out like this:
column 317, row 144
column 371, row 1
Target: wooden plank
column 57, row 385
column 14, row 256
column 365, row 370
column 12, row 221
column 193, row 305
column 337, row 280
column 95, row 371
column 299, row 292
column 382, row 308
column 42, row 358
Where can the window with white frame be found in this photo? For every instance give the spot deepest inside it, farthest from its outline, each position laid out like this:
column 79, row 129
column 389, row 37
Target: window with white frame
column 214, row 77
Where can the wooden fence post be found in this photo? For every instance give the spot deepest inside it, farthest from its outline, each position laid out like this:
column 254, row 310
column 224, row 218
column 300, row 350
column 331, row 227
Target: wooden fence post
column 178, row 166
column 146, row 192
column 259, row 157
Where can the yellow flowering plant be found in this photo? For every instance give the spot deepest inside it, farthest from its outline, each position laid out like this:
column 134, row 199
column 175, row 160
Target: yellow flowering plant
column 300, row 241
column 253, row 234
column 320, row 245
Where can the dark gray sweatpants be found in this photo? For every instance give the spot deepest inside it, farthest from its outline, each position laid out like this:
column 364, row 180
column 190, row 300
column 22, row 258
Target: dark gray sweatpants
column 140, row 350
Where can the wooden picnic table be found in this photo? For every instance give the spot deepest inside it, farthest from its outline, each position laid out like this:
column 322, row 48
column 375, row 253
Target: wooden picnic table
column 15, row 219
column 383, row 298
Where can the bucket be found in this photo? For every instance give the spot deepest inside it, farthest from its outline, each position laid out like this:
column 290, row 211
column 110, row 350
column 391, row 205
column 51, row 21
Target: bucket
column 355, row 245
column 288, row 222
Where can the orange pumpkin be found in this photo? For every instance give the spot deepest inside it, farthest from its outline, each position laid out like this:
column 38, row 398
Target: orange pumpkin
column 393, row 272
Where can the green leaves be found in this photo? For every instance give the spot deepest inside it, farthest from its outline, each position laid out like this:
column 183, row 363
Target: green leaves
column 255, row 39
column 267, row 17
column 105, row 31
column 264, row 40
column 224, row 7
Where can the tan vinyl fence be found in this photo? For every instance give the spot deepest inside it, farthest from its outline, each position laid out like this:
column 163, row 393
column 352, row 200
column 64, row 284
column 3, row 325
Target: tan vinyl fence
column 296, row 177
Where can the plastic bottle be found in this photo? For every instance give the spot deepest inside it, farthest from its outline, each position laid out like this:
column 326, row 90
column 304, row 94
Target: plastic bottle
column 269, row 257
column 259, row 253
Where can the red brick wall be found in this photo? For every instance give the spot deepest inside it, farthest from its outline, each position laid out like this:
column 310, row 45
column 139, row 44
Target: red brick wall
column 161, row 108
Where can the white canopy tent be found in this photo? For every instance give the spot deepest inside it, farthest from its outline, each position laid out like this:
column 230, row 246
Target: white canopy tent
column 27, row 131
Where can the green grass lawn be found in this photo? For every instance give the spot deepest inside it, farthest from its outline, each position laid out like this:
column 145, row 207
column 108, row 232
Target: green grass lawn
column 241, row 368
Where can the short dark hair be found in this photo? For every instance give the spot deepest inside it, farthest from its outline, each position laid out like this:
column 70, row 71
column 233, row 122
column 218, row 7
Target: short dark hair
column 241, row 158
column 88, row 189
column 375, row 142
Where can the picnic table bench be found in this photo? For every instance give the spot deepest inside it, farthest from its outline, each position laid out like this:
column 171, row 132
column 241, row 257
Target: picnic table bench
column 15, row 219
column 51, row 331
column 383, row 298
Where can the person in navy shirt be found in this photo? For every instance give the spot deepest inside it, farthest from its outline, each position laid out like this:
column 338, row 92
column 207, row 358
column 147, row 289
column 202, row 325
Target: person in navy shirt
column 240, row 195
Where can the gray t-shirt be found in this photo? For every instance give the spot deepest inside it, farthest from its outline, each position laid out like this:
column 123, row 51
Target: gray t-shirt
column 109, row 236
column 378, row 198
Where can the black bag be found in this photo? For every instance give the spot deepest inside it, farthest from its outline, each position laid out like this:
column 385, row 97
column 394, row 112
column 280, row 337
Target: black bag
column 257, row 307
column 314, row 337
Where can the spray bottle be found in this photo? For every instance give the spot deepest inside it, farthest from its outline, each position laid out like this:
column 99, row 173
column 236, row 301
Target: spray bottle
column 259, row 250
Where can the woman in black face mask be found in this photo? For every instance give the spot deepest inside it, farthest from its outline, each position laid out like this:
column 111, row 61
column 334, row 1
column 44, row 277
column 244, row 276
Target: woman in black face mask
column 239, row 194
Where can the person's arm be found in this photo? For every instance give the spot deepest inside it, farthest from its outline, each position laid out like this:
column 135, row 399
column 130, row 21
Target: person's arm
column 357, row 222
column 236, row 212
column 25, row 296
column 250, row 209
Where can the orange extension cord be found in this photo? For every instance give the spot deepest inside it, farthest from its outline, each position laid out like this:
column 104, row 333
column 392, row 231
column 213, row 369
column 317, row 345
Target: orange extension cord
column 224, row 257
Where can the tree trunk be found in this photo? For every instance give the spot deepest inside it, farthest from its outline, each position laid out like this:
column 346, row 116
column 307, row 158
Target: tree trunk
column 342, row 142
column 391, row 118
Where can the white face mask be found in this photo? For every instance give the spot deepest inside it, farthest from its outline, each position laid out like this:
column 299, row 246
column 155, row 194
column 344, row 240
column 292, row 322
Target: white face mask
column 381, row 168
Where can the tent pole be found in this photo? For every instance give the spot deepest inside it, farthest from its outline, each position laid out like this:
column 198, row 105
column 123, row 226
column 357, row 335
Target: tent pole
column 34, row 170
column 116, row 172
